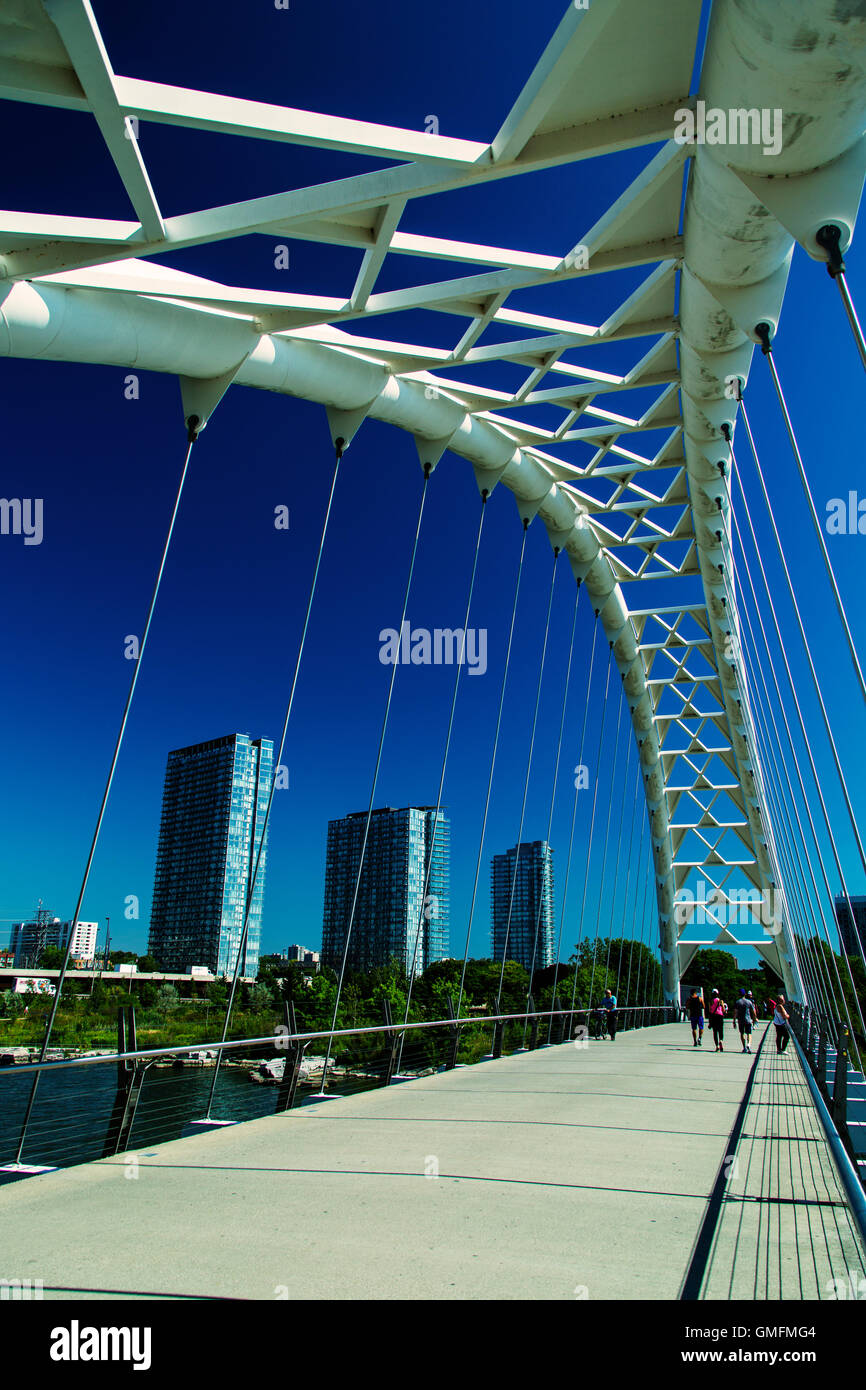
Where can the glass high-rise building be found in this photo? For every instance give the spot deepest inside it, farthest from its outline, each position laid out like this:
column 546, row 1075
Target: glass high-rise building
column 531, row 906
column 391, row 917
column 853, row 934
column 29, row 939
column 213, row 809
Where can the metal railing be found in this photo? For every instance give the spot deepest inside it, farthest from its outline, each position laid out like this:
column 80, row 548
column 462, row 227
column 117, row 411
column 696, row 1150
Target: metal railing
column 826, row 1046
column 98, row 1106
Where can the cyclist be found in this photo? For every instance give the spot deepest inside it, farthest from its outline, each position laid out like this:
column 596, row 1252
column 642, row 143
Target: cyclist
column 608, row 1003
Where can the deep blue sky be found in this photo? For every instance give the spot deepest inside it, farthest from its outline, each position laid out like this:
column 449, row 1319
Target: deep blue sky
column 224, row 640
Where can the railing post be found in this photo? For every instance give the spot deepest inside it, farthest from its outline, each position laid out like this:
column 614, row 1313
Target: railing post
column 394, row 1040
column 821, row 1062
column 533, row 1027
column 117, row 1113
column 560, row 1021
column 451, row 1063
column 292, row 1070
column 130, row 1078
column 498, row 1029
column 839, row 1106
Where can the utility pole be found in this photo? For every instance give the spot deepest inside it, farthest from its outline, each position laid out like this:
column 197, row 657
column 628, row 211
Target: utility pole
column 42, row 919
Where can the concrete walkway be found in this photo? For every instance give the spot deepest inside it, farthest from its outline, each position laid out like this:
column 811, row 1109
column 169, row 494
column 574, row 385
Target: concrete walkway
column 564, row 1173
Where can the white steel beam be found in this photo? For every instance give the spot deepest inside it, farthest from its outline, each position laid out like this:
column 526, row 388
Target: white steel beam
column 77, row 27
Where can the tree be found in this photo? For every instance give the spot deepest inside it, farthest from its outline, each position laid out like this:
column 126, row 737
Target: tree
column 716, row 970
column 260, row 998
column 149, row 965
column 51, row 958
column 167, row 999
column 11, row 1004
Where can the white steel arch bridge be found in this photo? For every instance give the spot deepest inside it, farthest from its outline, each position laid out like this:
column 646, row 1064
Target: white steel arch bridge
column 713, row 224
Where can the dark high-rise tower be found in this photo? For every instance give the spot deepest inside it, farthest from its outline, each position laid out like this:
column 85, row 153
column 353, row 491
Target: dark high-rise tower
column 853, row 934
column 391, row 916
column 531, row 906
column 213, row 809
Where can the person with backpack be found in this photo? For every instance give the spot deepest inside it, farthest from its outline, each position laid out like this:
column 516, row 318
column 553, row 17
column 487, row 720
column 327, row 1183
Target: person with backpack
column 696, row 1017
column 718, row 1009
column 780, row 1019
column 744, row 1019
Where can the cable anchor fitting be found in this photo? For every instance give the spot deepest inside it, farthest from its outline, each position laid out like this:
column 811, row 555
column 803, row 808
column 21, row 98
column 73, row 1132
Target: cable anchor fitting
column 828, row 238
column 762, row 333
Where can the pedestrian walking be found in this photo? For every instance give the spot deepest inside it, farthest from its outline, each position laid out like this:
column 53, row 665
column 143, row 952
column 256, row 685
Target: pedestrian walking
column 695, row 1007
column 718, row 1010
column 608, row 1003
column 744, row 1019
column 780, row 1019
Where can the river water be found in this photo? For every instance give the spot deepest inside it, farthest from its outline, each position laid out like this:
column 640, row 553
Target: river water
column 72, row 1114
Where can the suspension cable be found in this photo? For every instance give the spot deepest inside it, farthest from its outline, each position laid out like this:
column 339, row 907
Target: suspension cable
column 828, row 237
column 800, row 719
column 763, row 333
column 794, row 841
column 788, row 841
column 424, row 905
column 790, row 738
column 781, row 805
column 192, row 434
column 763, row 789
column 637, row 878
column 550, row 816
column 606, row 842
column 338, row 454
column 526, row 780
column 618, row 854
column 728, row 571
column 650, row 867
column 806, row 740
column 351, row 922
column 637, row 792
column 571, row 833
column 805, row 641
column 592, row 816
column 502, row 686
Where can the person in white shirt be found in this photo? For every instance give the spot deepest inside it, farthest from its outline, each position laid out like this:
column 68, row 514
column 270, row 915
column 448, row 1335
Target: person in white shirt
column 780, row 1019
